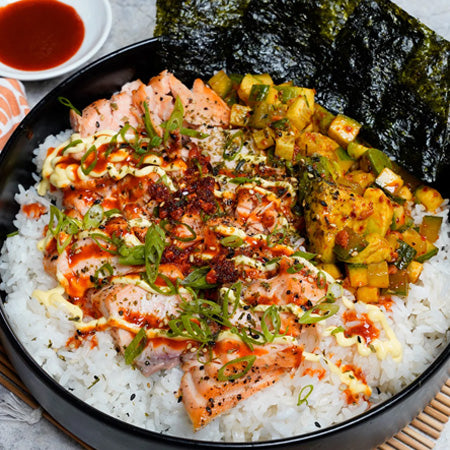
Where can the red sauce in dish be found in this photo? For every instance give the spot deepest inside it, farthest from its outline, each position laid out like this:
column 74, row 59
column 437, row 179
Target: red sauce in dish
column 39, row 34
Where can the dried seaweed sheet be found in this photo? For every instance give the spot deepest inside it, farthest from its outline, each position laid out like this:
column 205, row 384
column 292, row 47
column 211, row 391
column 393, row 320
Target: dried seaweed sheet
column 367, row 59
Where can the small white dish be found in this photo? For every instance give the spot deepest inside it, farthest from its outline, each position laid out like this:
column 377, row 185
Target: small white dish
column 97, row 18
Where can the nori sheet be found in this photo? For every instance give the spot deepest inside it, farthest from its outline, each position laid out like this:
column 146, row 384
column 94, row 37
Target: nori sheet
column 367, row 59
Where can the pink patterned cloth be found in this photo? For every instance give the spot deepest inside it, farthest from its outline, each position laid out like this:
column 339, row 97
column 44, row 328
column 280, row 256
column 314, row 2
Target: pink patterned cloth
column 13, row 107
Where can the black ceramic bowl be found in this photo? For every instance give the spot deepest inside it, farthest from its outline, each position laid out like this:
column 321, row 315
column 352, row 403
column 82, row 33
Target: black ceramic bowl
column 97, row 429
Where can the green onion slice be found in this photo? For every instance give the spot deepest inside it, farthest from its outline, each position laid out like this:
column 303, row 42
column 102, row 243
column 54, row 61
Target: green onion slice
column 329, row 310
column 241, row 180
column 232, row 241
column 155, row 140
column 14, row 233
column 337, row 330
column 197, row 279
column 131, row 256
column 193, row 133
column 272, row 314
column 93, row 217
column 175, row 120
column 295, row 268
column 192, row 237
column 248, row 360
column 72, row 144
column 233, row 145
column 305, row 255
column 136, row 346
column 155, row 243
column 66, row 102
column 87, row 170
column 321, row 280
column 303, row 397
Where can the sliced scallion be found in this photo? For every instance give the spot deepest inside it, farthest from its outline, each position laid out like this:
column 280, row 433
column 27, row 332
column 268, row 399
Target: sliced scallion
column 329, row 310
column 87, row 170
column 232, row 241
column 303, row 397
column 247, row 360
column 66, row 102
column 93, row 217
column 136, row 346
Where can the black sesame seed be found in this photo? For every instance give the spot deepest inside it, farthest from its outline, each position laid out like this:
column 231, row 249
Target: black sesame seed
column 133, row 396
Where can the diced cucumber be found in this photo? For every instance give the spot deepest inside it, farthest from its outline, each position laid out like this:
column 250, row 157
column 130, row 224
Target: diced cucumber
column 343, row 130
column 367, row 294
column 378, row 275
column 398, row 283
column 429, row 197
column 221, row 83
column 358, row 275
column 348, row 243
column 322, row 118
column 389, row 181
column 414, row 270
column 258, row 93
column 240, row 115
column 430, row 227
column 377, row 160
column 405, row 255
column 284, row 146
column 430, row 251
column 356, row 150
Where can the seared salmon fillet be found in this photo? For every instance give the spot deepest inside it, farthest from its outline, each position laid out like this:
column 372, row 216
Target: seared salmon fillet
column 201, row 104
column 207, row 390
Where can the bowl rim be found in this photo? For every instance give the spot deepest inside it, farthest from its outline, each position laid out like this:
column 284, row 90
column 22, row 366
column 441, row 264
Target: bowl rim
column 438, row 363
column 63, row 68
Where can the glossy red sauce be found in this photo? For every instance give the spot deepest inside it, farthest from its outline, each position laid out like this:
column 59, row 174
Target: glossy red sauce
column 34, row 210
column 366, row 329
column 141, row 319
column 39, row 34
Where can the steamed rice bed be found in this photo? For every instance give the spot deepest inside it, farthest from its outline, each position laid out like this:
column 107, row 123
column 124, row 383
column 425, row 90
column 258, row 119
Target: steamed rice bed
column 98, row 375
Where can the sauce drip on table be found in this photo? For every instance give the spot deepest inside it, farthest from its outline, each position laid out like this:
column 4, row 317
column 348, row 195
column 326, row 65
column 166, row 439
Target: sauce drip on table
column 39, row 34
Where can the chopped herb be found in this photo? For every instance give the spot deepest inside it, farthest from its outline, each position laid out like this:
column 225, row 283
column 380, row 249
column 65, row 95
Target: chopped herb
column 87, row 170
column 14, row 233
column 72, row 144
column 247, row 360
column 337, row 330
column 232, row 241
column 136, row 346
column 303, row 397
column 329, row 308
column 93, row 217
column 96, row 380
column 66, row 102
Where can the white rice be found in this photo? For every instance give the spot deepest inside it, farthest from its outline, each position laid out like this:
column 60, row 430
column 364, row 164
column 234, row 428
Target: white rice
column 97, row 375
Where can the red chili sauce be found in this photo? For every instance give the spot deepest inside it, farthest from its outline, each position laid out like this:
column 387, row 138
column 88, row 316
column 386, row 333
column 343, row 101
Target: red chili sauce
column 39, row 34
column 366, row 329
column 34, row 210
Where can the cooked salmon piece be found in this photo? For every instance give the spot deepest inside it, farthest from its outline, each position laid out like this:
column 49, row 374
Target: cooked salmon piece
column 201, row 106
column 78, row 265
column 132, row 304
column 109, row 114
column 205, row 396
column 159, row 105
column 299, row 287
